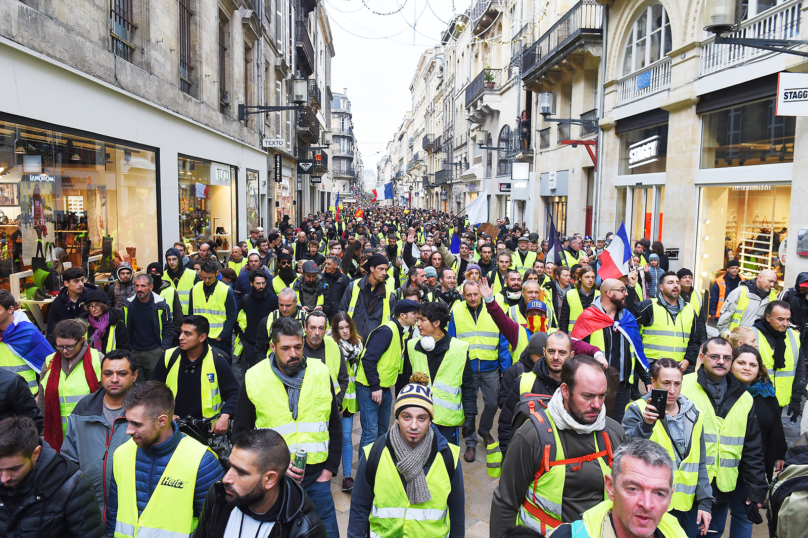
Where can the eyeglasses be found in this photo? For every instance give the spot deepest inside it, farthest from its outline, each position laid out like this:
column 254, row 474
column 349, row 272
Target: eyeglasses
column 720, row 358
column 66, row 348
column 285, row 263
column 624, row 291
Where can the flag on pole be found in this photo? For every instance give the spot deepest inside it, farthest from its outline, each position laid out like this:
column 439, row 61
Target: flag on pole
column 336, row 204
column 375, row 195
column 593, row 319
column 477, row 210
column 554, row 252
column 388, row 191
column 614, row 260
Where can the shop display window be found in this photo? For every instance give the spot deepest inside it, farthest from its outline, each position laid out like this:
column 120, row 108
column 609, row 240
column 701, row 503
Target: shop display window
column 253, row 201
column 86, row 195
column 744, row 222
column 747, row 135
column 207, row 203
column 644, row 150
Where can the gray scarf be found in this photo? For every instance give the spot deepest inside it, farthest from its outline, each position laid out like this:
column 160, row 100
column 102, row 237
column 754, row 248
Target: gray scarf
column 673, row 309
column 293, row 384
column 411, row 463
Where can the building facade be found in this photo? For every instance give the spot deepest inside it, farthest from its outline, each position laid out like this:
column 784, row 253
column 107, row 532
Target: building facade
column 343, row 148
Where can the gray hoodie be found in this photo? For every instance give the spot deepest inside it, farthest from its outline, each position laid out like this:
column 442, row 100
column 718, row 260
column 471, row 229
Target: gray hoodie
column 680, row 427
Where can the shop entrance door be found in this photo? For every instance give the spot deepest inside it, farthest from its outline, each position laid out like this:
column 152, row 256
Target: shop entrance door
column 644, row 209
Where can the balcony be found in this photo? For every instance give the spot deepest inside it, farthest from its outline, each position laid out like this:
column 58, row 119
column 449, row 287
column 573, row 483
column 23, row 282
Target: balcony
column 653, row 79
column 580, row 25
column 480, row 85
column 315, row 99
column 339, row 152
column 345, row 173
column 398, row 174
column 781, row 22
column 484, row 12
column 589, row 130
column 308, row 126
column 544, row 138
column 320, row 164
column 307, row 6
column 443, row 176
column 438, row 145
column 428, row 143
column 305, row 50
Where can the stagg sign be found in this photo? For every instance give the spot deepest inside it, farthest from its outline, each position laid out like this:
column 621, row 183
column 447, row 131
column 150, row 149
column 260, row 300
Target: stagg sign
column 792, row 94
column 643, row 152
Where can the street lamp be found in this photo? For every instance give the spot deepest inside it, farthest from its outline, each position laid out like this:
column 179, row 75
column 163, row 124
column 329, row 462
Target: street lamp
column 546, row 108
column 725, row 16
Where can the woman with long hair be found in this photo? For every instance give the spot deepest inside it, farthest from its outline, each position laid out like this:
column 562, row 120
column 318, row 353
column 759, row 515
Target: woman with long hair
column 437, row 261
column 530, row 274
column 579, row 298
column 659, row 250
column 560, row 286
column 343, row 331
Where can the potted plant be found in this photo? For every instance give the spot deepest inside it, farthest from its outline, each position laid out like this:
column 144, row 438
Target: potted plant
column 488, row 76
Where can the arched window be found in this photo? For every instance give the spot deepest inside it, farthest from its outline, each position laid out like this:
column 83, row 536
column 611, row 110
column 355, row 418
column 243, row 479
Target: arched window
column 648, row 39
column 489, row 157
column 502, row 154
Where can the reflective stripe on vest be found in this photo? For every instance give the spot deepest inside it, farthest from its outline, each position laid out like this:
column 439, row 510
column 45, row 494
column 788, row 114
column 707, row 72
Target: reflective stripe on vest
column 591, row 523
column 666, row 337
column 268, row 394
column 183, row 287
column 174, row 489
column 723, row 437
column 783, row 378
column 209, row 391
column 482, row 336
column 12, row 363
column 446, row 387
column 237, row 266
column 391, row 362
column 73, row 387
column 213, row 308
column 385, row 300
column 332, row 360
column 392, row 515
column 576, row 307
column 519, row 265
column 349, row 401
column 743, row 304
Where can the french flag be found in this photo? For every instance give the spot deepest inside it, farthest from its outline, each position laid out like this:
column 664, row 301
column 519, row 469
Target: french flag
column 375, row 195
column 614, row 260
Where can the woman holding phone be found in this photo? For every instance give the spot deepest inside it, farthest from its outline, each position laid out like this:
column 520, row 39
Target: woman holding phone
column 678, row 427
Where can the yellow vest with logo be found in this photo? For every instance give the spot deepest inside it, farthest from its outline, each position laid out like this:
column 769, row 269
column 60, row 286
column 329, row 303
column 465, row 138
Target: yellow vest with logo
column 446, row 387
column 214, row 308
column 743, row 304
column 391, row 362
column 591, row 524
column 392, row 515
column 482, row 336
column 723, row 437
column 783, row 378
column 183, row 287
column 211, row 397
column 668, row 338
column 519, row 265
column 170, row 511
column 310, row 430
column 12, row 363
column 576, row 306
column 72, row 388
column 686, row 477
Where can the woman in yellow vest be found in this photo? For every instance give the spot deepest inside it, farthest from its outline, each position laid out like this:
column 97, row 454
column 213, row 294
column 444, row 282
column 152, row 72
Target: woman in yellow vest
column 681, row 433
column 107, row 329
column 579, row 298
column 350, row 345
column 69, row 375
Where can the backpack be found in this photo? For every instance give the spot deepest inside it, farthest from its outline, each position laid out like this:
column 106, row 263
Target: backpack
column 788, row 498
column 375, row 456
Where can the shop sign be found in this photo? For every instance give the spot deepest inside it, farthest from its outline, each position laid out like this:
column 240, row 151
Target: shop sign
column 672, row 253
column 752, row 188
column 472, row 187
column 40, row 178
column 644, row 80
column 316, row 180
column 520, row 185
column 278, row 171
column 504, row 187
column 304, row 166
column 274, row 142
column 792, row 94
column 219, row 174
column 643, row 152
column 283, row 186
column 31, row 164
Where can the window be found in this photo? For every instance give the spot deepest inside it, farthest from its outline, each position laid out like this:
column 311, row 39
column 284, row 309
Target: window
column 648, row 40
column 503, row 166
column 207, row 194
column 644, row 150
column 185, row 45
column 121, row 18
column 224, row 96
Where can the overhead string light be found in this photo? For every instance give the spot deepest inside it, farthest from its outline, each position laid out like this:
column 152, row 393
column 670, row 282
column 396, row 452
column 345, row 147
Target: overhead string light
column 365, row 3
column 524, row 36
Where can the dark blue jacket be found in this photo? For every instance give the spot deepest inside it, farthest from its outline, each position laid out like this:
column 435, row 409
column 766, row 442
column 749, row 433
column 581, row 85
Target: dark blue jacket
column 150, row 463
column 242, row 285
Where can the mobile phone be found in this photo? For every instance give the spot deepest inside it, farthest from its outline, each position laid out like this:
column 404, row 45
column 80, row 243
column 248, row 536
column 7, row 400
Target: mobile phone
column 659, row 399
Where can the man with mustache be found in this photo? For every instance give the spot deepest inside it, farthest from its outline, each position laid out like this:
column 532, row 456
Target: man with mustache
column 732, row 436
column 575, row 427
column 291, row 395
column 285, row 275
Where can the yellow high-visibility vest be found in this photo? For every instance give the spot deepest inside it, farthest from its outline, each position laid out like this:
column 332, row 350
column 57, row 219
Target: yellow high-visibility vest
column 211, row 396
column 213, row 308
column 72, row 388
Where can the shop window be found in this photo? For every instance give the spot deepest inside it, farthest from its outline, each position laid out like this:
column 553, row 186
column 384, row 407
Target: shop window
column 558, row 213
column 61, row 188
column 745, row 222
column 207, row 202
column 648, row 40
column 253, row 205
column 747, row 135
column 644, row 150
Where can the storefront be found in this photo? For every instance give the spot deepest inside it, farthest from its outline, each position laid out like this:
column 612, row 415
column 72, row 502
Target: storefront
column 59, row 186
column 207, row 201
column 553, row 189
column 256, row 199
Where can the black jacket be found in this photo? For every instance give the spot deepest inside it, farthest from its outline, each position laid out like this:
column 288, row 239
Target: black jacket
column 16, row 399
column 121, row 333
column 321, row 287
column 511, row 376
column 297, row 518
column 55, row 500
column 337, row 283
column 799, row 305
column 369, row 308
column 644, row 312
column 176, row 310
column 63, row 308
column 544, row 384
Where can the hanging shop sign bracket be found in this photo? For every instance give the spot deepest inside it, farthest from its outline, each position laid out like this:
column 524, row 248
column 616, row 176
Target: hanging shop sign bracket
column 590, row 145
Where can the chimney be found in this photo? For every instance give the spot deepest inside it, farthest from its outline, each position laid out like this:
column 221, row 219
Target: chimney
column 345, row 91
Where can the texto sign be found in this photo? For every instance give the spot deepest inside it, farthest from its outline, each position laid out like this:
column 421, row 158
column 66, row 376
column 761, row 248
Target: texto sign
column 274, row 142
column 643, row 152
column 792, row 94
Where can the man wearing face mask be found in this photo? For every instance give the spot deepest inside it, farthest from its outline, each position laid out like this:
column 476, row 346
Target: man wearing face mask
column 312, row 293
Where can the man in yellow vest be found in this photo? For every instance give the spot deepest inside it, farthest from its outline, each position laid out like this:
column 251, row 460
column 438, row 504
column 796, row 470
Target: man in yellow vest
column 573, row 253
column 640, row 489
column 700, row 300
column 312, row 291
column 296, row 398
column 160, row 476
column 746, row 303
column 180, row 277
column 783, row 356
column 669, row 326
column 538, row 488
column 214, row 300
column 23, row 349
column 732, row 435
column 317, row 345
column 287, row 308
column 523, row 258
column 237, row 259
column 367, row 299
column 199, row 376
column 410, row 480
column 148, row 320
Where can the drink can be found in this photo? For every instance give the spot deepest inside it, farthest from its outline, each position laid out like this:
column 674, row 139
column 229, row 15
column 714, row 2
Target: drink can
column 300, row 459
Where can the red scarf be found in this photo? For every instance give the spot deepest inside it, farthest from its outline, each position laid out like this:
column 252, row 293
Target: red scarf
column 53, row 432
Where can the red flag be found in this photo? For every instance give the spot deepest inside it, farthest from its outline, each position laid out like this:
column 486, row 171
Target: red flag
column 359, row 214
column 374, row 195
column 589, row 321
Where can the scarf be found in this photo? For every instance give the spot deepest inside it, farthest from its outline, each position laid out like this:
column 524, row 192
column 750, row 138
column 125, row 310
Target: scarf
column 53, row 432
column 779, row 339
column 672, row 309
column 564, row 421
column 753, row 288
column 351, row 351
column 761, row 388
column 293, row 384
column 411, row 463
column 100, row 325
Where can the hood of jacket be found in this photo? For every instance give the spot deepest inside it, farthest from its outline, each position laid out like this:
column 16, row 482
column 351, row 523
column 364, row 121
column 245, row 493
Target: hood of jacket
column 124, row 265
column 543, row 372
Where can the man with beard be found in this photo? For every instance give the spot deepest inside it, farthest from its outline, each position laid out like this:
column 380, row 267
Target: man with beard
column 243, row 285
column 267, row 254
column 157, row 447
column 148, row 320
column 415, row 280
column 285, row 275
column 486, row 263
column 580, row 434
column 511, row 295
column 572, row 253
column 335, row 280
column 256, row 495
column 316, row 346
column 300, row 246
column 312, row 293
column 522, row 259
column 288, row 394
column 425, row 252
column 287, row 308
column 180, row 276
column 256, row 306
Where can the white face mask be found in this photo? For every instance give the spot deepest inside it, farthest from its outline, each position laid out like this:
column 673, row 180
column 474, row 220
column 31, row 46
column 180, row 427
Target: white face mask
column 428, row 343
column 514, row 295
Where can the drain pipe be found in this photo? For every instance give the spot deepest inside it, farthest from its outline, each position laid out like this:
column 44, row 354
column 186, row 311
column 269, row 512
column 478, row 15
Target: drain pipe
column 599, row 164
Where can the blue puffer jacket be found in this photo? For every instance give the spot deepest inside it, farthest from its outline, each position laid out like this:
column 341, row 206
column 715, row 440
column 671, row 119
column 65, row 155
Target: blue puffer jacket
column 150, row 464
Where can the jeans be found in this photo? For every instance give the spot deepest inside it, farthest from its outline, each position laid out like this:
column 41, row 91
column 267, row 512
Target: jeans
column 687, row 520
column 489, row 383
column 146, row 361
column 347, row 445
column 320, row 495
column 373, row 418
column 740, row 526
column 451, row 433
column 621, row 401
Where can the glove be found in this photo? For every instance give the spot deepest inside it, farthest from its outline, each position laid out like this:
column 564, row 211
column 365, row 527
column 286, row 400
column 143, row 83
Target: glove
column 468, row 429
column 794, row 410
column 753, row 513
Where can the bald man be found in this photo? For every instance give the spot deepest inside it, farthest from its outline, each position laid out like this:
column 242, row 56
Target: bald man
column 747, row 303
